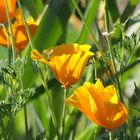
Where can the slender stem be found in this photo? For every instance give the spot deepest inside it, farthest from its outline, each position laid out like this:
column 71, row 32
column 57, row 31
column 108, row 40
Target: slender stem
column 63, row 114
column 8, row 44
column 25, row 24
column 137, row 61
column 26, row 122
column 50, row 104
column 114, row 67
column 111, row 51
column 125, row 69
column 132, row 136
column 90, row 32
column 25, row 115
column 11, row 30
column 132, row 52
column 96, row 131
column 107, row 26
column 110, row 135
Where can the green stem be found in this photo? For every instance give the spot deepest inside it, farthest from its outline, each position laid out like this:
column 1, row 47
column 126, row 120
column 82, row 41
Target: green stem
column 107, row 25
column 129, row 66
column 88, row 29
column 110, row 135
column 132, row 136
column 126, row 68
column 26, row 122
column 8, row 44
column 11, row 30
column 63, row 114
column 25, row 24
column 25, row 115
column 96, row 131
column 50, row 104
column 111, row 51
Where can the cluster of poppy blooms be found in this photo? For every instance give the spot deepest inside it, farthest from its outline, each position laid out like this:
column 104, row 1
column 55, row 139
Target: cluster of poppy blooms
column 18, row 28
column 100, row 104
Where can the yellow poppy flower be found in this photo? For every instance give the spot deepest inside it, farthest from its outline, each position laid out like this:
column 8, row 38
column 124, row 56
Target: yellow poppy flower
column 3, row 14
column 19, row 32
column 100, row 104
column 66, row 61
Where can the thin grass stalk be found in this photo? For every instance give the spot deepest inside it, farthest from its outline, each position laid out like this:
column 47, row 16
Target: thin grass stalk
column 96, row 131
column 114, row 66
column 8, row 44
column 50, row 104
column 31, row 44
column 88, row 29
column 130, row 126
column 110, row 135
column 128, row 67
column 44, row 81
column 26, row 25
column 26, row 122
column 107, row 23
column 13, row 57
column 110, row 49
column 11, row 31
column 25, row 115
column 63, row 114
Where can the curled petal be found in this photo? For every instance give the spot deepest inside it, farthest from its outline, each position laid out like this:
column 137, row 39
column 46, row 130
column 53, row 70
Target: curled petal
column 100, row 104
column 67, row 62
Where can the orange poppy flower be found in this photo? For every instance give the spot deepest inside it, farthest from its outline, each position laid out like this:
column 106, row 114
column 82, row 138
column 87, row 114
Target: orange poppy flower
column 100, row 104
column 19, row 32
column 66, row 61
column 3, row 14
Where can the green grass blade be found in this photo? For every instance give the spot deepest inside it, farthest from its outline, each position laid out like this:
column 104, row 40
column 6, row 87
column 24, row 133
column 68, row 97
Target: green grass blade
column 113, row 10
column 53, row 24
column 90, row 15
column 35, row 7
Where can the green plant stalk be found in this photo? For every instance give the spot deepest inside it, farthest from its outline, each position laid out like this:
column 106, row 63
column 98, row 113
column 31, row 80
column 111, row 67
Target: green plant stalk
column 116, row 73
column 26, row 122
column 26, row 25
column 110, row 135
column 50, row 104
column 132, row 53
column 31, row 43
column 96, row 131
column 11, row 31
column 132, row 136
column 126, row 68
column 114, row 66
column 25, row 115
column 63, row 114
column 8, row 45
column 90, row 32
column 107, row 25
column 110, row 49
